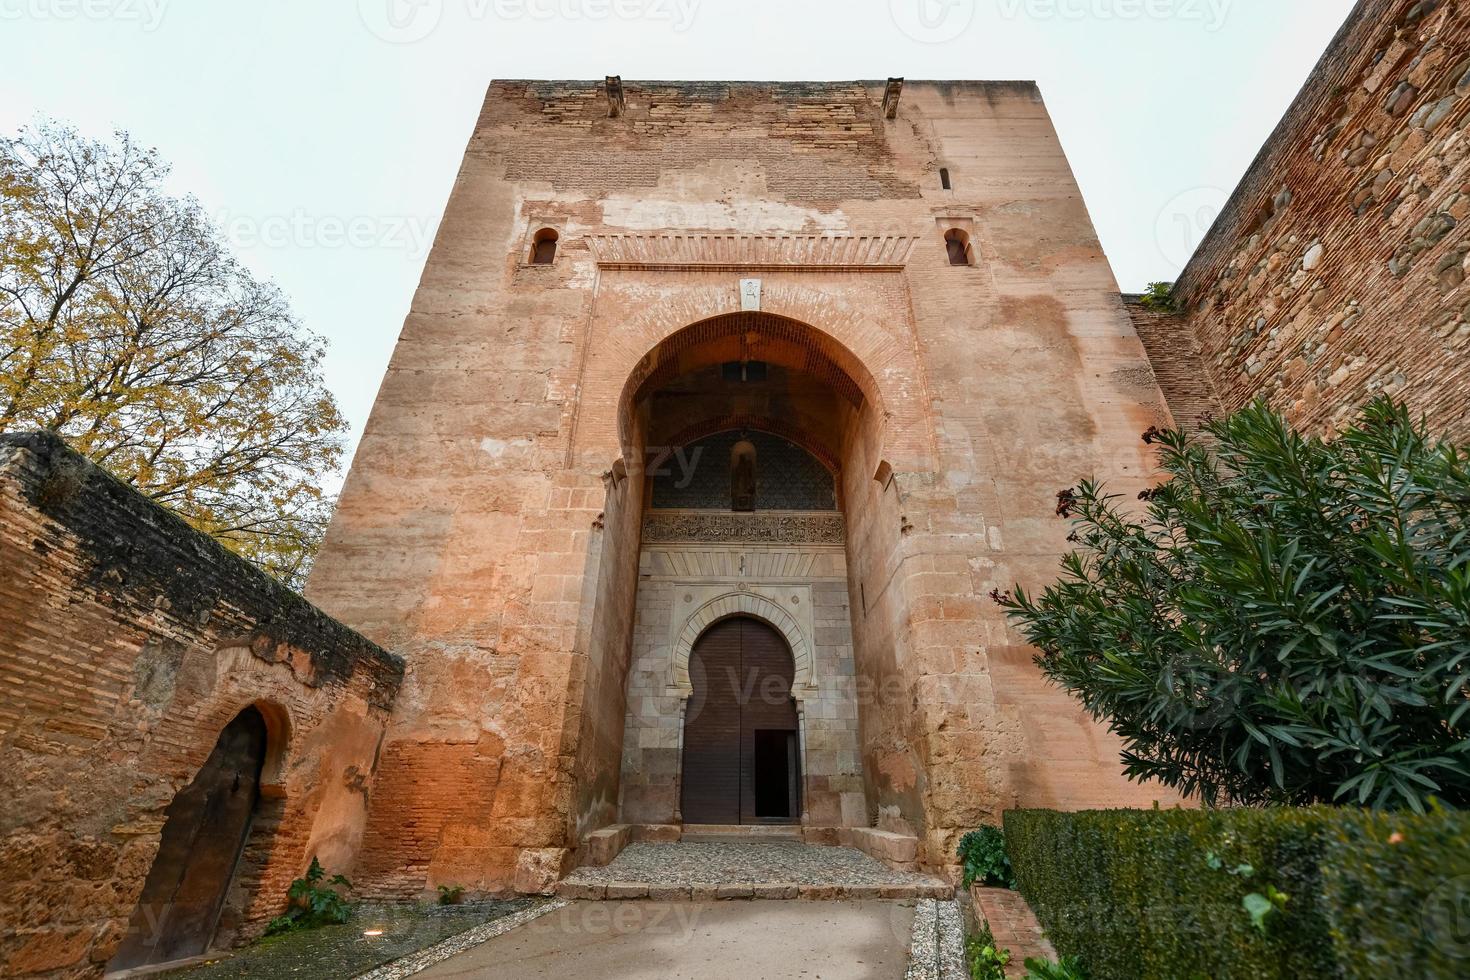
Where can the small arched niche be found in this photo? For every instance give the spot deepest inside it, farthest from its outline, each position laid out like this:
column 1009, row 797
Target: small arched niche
column 742, row 475
column 543, row 246
column 957, row 246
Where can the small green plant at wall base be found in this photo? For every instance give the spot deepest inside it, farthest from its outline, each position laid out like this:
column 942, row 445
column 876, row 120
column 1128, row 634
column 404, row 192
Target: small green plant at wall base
column 1160, row 296
column 1070, row 968
column 450, row 894
column 985, row 959
column 983, row 854
column 313, row 904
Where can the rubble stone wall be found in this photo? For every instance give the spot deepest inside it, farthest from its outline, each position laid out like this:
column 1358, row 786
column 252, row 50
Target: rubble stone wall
column 1337, row 270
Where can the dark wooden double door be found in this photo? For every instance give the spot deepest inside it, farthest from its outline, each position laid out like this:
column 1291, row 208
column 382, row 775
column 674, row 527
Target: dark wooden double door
column 204, row 832
column 742, row 760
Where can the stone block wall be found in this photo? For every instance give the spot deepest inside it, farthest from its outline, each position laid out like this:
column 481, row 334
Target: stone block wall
column 807, row 580
column 488, row 530
column 127, row 642
column 1337, row 269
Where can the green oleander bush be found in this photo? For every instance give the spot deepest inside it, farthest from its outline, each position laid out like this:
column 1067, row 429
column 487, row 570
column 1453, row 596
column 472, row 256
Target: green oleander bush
column 1259, row 893
column 1285, row 621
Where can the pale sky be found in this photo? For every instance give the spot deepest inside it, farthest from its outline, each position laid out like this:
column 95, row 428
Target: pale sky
column 325, row 134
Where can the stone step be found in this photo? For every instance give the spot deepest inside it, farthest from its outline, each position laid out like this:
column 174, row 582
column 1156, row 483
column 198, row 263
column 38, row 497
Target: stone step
column 733, row 890
column 771, row 867
column 738, row 833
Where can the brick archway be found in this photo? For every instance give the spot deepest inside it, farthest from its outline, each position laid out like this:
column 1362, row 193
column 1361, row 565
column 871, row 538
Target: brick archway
column 773, row 337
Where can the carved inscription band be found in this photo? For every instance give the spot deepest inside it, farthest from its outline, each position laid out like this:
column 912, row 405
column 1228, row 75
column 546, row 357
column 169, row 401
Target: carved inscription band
column 756, row 528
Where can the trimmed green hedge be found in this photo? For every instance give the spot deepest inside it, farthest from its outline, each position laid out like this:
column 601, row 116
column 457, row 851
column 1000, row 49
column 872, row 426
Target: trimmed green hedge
column 1137, row 896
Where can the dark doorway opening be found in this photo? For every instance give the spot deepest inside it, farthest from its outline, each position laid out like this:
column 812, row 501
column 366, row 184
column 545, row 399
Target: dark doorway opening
column 741, row 758
column 203, row 834
column 775, row 752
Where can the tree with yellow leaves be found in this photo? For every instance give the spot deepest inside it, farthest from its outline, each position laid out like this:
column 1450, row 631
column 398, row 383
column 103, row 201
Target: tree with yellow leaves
column 127, row 327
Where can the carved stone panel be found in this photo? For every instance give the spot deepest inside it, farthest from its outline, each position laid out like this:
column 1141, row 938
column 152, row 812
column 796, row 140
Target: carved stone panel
column 759, row 528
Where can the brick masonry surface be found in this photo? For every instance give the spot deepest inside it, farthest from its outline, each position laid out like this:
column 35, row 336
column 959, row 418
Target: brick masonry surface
column 127, row 642
column 1337, row 270
column 1178, row 365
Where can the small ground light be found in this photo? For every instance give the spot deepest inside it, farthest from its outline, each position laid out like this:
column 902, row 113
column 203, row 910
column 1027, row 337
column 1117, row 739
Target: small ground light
column 372, row 932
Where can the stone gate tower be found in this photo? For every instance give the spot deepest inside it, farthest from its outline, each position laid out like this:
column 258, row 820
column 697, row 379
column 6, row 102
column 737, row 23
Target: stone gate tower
column 720, row 409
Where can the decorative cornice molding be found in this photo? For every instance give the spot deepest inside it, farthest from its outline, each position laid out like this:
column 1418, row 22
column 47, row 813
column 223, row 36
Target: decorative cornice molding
column 751, row 252
column 749, row 528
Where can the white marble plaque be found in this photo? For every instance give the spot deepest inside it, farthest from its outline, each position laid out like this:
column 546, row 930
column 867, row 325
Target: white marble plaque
column 750, row 294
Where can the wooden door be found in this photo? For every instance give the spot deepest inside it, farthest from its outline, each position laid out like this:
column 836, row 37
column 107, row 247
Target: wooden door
column 740, row 729
column 204, row 831
column 710, row 788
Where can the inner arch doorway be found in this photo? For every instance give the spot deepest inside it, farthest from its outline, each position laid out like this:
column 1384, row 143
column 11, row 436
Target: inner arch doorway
column 204, row 832
column 742, row 757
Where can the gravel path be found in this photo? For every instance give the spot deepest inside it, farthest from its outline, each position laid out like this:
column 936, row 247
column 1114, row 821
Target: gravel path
column 765, row 862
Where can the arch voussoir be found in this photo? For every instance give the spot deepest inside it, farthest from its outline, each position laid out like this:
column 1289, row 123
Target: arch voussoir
column 755, row 606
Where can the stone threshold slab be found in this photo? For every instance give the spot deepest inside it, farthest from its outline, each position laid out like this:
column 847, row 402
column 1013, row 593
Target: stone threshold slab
column 736, row 890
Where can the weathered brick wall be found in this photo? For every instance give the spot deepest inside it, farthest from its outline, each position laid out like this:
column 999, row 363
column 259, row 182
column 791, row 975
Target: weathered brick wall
column 1337, row 269
column 127, row 642
column 1178, row 363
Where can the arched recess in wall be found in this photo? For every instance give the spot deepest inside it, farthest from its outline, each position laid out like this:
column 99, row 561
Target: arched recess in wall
column 794, row 430
column 732, row 337
column 543, row 246
column 205, row 830
column 754, row 606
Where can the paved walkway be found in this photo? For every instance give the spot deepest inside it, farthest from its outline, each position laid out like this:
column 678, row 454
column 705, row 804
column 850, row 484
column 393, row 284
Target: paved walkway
column 863, row 940
column 335, row 952
column 763, row 869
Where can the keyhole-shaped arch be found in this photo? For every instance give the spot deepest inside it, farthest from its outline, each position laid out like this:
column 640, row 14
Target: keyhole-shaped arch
column 757, row 607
